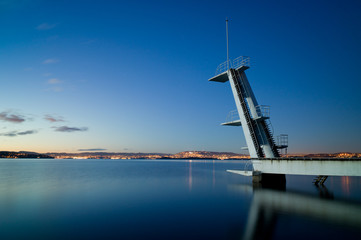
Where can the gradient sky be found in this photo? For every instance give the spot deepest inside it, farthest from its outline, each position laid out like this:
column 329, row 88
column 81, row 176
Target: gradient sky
column 132, row 75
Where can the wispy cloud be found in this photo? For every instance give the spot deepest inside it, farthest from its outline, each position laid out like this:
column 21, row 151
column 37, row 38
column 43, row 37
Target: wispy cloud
column 45, row 26
column 11, row 117
column 54, row 81
column 70, row 129
column 55, row 85
column 50, row 60
column 27, row 132
column 9, row 134
column 50, row 118
column 17, row 133
column 92, row 149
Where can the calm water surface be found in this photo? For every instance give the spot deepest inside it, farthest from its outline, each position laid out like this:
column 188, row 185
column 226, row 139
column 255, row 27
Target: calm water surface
column 168, row 199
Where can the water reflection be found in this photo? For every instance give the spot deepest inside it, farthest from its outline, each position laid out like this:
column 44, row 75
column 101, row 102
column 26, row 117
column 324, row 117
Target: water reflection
column 346, row 184
column 324, row 192
column 190, row 180
column 192, row 199
column 270, row 207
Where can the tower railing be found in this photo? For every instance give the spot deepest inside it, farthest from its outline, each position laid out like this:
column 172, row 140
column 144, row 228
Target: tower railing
column 232, row 116
column 223, row 67
column 236, row 63
column 282, row 143
column 241, row 61
column 263, row 111
column 282, row 140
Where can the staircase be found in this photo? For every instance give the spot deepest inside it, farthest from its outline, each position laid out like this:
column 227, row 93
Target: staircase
column 270, row 139
column 250, row 122
column 253, row 123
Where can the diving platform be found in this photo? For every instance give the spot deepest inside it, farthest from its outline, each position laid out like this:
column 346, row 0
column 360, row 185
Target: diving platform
column 220, row 78
column 223, row 77
column 232, row 119
column 232, row 123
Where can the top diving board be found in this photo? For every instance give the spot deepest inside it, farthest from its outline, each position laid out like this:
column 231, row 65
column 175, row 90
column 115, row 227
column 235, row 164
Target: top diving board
column 223, row 77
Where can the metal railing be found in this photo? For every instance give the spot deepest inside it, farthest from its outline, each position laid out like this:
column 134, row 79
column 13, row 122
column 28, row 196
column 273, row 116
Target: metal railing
column 241, row 61
column 236, row 63
column 222, row 68
column 282, row 140
column 232, row 116
column 263, row 111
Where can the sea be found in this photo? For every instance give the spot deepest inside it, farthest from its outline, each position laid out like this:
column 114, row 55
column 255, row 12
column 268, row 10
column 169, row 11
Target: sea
column 169, row 199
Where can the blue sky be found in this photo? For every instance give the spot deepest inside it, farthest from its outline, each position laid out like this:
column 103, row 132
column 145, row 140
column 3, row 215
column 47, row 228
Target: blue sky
column 132, row 76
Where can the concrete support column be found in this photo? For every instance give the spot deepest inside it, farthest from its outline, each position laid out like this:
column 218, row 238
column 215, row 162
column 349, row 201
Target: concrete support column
column 275, row 181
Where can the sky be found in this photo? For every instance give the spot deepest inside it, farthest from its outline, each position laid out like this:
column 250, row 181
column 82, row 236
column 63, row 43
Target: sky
column 132, row 76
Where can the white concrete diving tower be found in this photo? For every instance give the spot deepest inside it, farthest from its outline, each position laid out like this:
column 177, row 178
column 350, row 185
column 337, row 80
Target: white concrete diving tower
column 253, row 118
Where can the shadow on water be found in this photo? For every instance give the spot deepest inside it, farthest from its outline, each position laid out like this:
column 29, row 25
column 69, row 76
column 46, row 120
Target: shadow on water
column 276, row 213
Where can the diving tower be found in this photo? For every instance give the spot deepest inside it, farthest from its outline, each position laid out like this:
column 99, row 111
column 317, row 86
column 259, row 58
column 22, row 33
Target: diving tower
column 253, row 118
column 267, row 165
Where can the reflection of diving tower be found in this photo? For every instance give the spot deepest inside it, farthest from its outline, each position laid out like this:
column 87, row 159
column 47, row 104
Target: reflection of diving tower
column 254, row 118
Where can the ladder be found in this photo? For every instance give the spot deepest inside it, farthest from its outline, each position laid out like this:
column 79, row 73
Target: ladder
column 250, row 122
column 319, row 180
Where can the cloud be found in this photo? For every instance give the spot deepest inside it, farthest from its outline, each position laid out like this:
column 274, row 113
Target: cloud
column 54, row 81
column 50, row 60
column 9, row 134
column 92, row 149
column 45, row 26
column 53, row 119
column 27, row 132
column 70, row 129
column 16, row 133
column 14, row 118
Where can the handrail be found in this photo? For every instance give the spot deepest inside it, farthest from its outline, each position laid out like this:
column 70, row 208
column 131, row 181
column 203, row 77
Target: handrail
column 241, row 61
column 232, row 116
column 263, row 111
column 222, row 67
column 282, row 140
column 236, row 63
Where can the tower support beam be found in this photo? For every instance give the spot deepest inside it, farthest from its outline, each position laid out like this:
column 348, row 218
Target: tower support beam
column 258, row 136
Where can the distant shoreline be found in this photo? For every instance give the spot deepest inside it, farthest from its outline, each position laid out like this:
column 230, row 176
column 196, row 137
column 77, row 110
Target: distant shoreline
column 186, row 155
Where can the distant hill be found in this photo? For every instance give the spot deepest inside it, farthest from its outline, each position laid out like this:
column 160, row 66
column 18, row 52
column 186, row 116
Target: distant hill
column 180, row 155
column 23, row 154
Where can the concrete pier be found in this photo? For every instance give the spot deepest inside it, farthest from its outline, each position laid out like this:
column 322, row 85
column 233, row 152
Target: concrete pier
column 274, row 181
